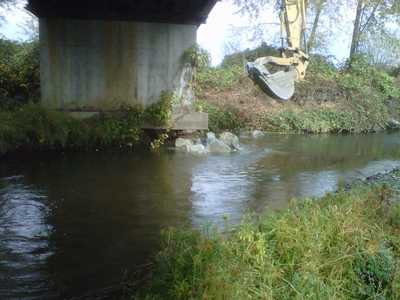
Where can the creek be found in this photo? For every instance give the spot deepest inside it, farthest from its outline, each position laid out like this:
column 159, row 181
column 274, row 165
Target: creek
column 75, row 223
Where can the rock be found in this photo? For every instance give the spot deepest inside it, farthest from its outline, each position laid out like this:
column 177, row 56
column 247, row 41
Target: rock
column 198, row 149
column 211, row 137
column 183, row 144
column 198, row 141
column 257, row 133
column 245, row 134
column 217, row 146
column 394, row 124
column 230, row 139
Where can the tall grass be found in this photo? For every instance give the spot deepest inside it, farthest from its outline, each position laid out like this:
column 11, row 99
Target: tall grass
column 344, row 246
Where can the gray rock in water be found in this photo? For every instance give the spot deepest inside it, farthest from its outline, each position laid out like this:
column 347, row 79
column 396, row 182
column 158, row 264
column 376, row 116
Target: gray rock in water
column 394, row 124
column 230, row 139
column 257, row 133
column 198, row 149
column 198, row 141
column 183, row 144
column 211, row 137
column 216, row 146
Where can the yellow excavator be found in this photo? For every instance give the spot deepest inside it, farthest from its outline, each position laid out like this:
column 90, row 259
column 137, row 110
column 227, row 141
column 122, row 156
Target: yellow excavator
column 294, row 58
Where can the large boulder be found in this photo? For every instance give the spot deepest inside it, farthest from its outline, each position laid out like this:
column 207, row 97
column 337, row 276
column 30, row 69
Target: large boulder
column 393, row 124
column 211, row 137
column 198, row 149
column 257, row 134
column 216, row 146
column 230, row 139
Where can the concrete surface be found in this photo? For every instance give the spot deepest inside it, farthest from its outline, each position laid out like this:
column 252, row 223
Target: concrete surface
column 105, row 64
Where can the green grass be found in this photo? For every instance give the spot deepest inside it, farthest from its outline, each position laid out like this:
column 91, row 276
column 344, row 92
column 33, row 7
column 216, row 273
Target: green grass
column 33, row 127
column 220, row 119
column 325, row 120
column 344, row 246
column 218, row 78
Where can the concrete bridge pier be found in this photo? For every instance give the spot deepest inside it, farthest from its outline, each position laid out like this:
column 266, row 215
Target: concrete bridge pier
column 101, row 55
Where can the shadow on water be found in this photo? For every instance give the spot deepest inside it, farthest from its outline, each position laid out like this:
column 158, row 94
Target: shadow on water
column 74, row 223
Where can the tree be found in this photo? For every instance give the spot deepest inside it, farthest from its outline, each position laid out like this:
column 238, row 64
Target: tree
column 371, row 16
column 382, row 48
column 4, row 5
column 315, row 9
column 319, row 7
column 30, row 27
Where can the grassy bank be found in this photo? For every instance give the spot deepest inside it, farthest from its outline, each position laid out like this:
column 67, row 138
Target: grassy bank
column 332, row 99
column 344, row 246
column 32, row 127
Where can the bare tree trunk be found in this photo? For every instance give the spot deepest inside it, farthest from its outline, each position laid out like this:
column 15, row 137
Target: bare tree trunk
column 356, row 31
column 313, row 34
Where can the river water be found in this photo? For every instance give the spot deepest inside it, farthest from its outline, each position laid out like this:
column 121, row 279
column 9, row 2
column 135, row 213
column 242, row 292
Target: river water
column 74, row 223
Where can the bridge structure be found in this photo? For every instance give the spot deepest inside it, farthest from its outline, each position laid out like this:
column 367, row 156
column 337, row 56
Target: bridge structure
column 99, row 55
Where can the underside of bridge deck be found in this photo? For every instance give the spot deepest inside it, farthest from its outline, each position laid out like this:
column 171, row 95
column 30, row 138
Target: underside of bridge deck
column 192, row 12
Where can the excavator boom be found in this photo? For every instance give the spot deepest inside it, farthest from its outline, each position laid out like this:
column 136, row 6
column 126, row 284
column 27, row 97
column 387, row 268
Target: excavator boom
column 294, row 60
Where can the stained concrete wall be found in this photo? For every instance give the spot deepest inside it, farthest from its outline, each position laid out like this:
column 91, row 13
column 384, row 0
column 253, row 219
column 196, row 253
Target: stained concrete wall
column 100, row 65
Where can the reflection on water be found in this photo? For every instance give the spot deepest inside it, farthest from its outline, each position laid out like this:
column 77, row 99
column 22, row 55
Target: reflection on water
column 24, row 245
column 79, row 222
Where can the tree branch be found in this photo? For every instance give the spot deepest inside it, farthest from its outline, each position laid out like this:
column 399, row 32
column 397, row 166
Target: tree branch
column 371, row 15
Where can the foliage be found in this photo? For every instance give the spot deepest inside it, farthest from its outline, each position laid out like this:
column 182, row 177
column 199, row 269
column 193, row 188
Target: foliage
column 318, row 120
column 218, row 78
column 33, row 127
column 197, row 57
column 241, row 57
column 362, row 75
column 159, row 113
column 372, row 17
column 339, row 247
column 219, row 119
column 19, row 73
column 322, row 67
column 375, row 270
column 158, row 142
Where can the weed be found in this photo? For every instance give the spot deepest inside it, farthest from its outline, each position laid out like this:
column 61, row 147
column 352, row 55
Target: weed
column 218, row 78
column 33, row 127
column 228, row 118
column 159, row 113
column 329, row 248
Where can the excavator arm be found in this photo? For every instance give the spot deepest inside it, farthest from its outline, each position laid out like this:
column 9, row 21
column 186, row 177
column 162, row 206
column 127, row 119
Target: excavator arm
column 294, row 59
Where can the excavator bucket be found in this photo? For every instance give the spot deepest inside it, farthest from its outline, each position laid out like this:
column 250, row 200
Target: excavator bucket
column 279, row 85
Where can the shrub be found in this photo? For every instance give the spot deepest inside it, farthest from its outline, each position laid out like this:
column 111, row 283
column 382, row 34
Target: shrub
column 32, row 127
column 159, row 113
column 197, row 57
column 316, row 120
column 19, row 73
column 219, row 119
column 249, row 55
column 217, row 78
column 375, row 270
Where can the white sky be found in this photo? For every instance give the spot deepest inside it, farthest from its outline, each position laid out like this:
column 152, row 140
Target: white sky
column 216, row 34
